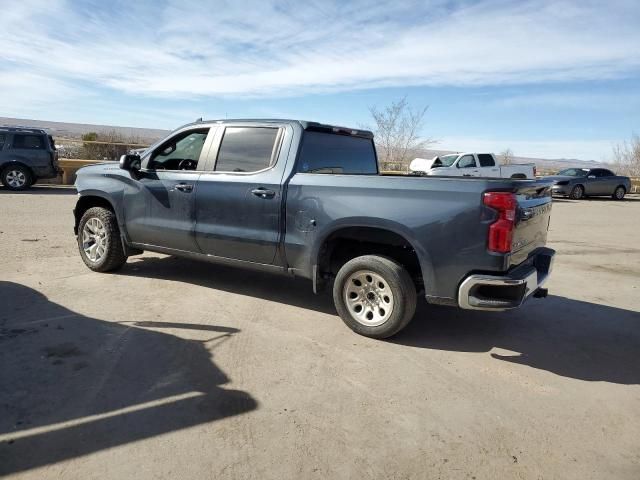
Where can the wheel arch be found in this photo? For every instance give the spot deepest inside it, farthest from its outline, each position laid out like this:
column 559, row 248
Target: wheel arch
column 11, row 163
column 90, row 200
column 357, row 237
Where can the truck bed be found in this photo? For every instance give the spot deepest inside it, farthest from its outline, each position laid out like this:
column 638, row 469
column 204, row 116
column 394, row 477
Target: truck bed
column 441, row 217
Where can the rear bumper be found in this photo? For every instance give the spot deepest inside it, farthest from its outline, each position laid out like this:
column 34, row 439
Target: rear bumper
column 503, row 292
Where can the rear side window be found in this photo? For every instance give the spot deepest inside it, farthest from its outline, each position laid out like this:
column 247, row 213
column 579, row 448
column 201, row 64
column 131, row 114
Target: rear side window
column 332, row 153
column 247, row 149
column 27, row 142
column 486, row 160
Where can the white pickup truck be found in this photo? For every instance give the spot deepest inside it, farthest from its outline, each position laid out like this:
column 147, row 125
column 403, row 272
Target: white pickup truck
column 470, row 165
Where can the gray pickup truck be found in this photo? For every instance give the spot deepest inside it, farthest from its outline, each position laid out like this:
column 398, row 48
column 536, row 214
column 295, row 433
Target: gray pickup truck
column 306, row 199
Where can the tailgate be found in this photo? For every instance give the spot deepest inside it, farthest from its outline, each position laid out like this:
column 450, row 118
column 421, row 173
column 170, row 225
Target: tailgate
column 532, row 219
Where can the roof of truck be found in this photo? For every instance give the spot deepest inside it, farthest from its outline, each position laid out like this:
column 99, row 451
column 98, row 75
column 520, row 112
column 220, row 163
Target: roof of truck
column 307, row 125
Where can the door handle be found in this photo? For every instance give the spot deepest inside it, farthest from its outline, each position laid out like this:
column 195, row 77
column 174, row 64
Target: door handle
column 263, row 193
column 184, row 187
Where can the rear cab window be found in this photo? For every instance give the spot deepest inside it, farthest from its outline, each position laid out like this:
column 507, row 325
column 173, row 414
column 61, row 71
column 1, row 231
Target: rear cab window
column 332, row 153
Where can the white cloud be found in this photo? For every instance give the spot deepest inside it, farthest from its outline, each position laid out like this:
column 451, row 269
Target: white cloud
column 188, row 48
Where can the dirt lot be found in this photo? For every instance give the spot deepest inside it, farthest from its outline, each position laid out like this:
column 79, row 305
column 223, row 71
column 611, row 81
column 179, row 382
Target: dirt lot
column 174, row 369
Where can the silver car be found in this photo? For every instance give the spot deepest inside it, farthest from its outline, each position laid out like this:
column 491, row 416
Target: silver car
column 578, row 183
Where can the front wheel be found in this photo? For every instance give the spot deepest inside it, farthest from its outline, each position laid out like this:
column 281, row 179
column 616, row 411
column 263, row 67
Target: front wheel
column 577, row 193
column 99, row 240
column 374, row 296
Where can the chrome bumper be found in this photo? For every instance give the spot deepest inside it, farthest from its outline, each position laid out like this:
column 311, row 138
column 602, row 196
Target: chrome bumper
column 503, row 292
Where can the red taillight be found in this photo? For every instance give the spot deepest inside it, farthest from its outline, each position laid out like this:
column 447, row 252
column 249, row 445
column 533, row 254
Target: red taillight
column 501, row 231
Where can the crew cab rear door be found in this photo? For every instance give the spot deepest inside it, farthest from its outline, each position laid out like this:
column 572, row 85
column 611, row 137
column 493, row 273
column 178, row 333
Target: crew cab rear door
column 488, row 167
column 239, row 197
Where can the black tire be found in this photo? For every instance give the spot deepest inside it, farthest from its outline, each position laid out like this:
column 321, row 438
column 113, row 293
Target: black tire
column 577, row 192
column 399, row 283
column 13, row 173
column 113, row 257
column 619, row 193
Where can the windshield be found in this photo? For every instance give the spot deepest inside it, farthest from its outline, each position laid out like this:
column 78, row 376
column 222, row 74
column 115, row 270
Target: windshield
column 444, row 161
column 574, row 172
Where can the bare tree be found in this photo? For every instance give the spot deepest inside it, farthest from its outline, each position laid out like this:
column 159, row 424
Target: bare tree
column 397, row 133
column 506, row 157
column 626, row 157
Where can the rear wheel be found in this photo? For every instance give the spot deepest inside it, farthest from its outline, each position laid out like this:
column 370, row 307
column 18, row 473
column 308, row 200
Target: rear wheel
column 374, row 296
column 99, row 240
column 16, row 177
column 577, row 193
column 619, row 193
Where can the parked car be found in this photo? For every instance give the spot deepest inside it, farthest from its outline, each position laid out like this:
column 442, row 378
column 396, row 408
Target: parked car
column 26, row 155
column 305, row 199
column 471, row 165
column 578, row 183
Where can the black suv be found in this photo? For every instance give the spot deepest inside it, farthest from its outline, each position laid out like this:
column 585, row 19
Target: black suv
column 26, row 155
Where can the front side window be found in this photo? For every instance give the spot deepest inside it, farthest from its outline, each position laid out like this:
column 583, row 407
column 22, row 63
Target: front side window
column 333, row 153
column 467, row 161
column 179, row 153
column 27, row 142
column 247, row 149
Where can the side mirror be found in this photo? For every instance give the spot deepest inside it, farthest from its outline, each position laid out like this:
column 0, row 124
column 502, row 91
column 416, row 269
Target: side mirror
column 130, row 162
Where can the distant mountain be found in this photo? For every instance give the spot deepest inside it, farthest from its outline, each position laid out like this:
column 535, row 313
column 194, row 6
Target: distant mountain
column 76, row 130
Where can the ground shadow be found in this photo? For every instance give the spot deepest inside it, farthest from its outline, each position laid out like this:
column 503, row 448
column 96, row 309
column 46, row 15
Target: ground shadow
column 71, row 385
column 42, row 190
column 567, row 337
column 277, row 288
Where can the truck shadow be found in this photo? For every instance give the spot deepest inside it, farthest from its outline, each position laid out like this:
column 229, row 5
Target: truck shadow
column 269, row 286
column 571, row 338
column 567, row 337
column 73, row 385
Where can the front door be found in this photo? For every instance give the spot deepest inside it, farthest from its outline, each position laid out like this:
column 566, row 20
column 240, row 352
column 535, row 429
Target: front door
column 160, row 201
column 239, row 198
column 467, row 166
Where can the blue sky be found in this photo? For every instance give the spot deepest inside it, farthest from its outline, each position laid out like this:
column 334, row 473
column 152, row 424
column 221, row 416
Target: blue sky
column 544, row 78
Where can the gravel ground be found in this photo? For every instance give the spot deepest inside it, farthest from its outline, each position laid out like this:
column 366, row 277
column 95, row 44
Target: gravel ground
column 176, row 369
